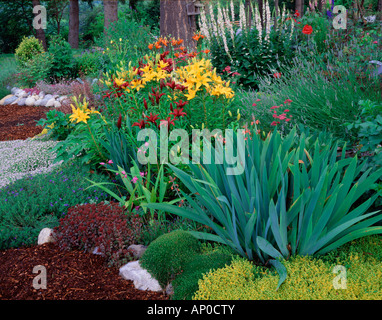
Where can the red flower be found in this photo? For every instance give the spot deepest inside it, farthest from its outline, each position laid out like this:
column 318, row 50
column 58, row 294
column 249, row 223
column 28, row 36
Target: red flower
column 119, row 122
column 181, row 104
column 169, row 121
column 274, row 123
column 141, row 124
column 297, row 14
column 274, row 107
column 152, row 118
column 178, row 113
column 277, row 75
column 307, row 29
column 287, row 101
column 145, row 103
column 227, row 69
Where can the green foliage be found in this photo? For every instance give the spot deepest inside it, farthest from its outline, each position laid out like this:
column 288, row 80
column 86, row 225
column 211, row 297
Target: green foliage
column 23, row 209
column 9, row 68
column 90, row 63
column 126, row 40
column 368, row 130
column 309, row 278
column 83, row 142
column 36, row 69
column 15, row 19
column 63, row 62
column 251, row 58
column 58, row 124
column 27, row 49
column 120, row 144
column 186, row 284
column 166, row 256
column 288, row 200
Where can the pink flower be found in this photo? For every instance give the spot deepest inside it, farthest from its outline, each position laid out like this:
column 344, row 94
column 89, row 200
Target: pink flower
column 110, row 162
column 274, row 123
column 274, row 107
column 257, row 100
column 288, row 119
column 134, row 180
column 102, row 163
column 254, row 105
column 288, row 101
column 286, row 110
column 375, row 42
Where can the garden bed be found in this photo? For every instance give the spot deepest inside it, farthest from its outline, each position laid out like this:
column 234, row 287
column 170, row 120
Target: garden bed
column 71, row 275
column 19, row 122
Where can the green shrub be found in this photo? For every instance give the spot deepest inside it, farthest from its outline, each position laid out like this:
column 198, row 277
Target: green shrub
column 28, row 202
column 27, row 49
column 309, row 278
column 63, row 61
column 90, row 63
column 58, row 124
column 36, row 69
column 166, row 256
column 186, row 284
column 367, row 129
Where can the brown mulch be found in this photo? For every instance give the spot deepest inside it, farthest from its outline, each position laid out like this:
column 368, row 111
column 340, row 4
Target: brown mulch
column 18, row 122
column 70, row 275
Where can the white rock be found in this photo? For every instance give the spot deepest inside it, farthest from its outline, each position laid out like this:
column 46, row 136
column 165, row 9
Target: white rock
column 14, row 89
column 17, row 100
column 50, row 103
column 41, row 94
column 21, row 101
column 57, row 104
column 30, row 101
column 141, row 278
column 62, row 98
column 45, row 236
column 5, row 98
column 22, row 94
column 38, row 103
column 137, row 250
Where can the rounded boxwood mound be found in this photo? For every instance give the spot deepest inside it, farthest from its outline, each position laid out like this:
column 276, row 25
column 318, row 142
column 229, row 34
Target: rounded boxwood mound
column 166, row 256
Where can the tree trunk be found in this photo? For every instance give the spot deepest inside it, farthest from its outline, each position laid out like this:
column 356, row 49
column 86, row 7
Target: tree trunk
column 261, row 12
column 276, row 13
column 248, row 13
column 111, row 12
column 379, row 9
column 175, row 22
column 74, row 24
column 299, row 8
column 40, row 33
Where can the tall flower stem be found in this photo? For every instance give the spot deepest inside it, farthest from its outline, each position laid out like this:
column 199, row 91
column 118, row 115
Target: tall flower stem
column 99, row 152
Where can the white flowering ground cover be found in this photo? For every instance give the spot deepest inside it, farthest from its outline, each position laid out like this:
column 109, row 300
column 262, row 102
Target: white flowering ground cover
column 19, row 158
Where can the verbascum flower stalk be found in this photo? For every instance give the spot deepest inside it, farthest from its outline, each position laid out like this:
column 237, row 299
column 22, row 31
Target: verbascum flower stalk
column 229, row 23
column 203, row 25
column 268, row 23
column 221, row 28
column 242, row 22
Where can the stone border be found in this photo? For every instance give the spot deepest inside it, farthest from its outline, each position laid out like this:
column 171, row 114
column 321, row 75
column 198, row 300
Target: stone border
column 22, row 98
